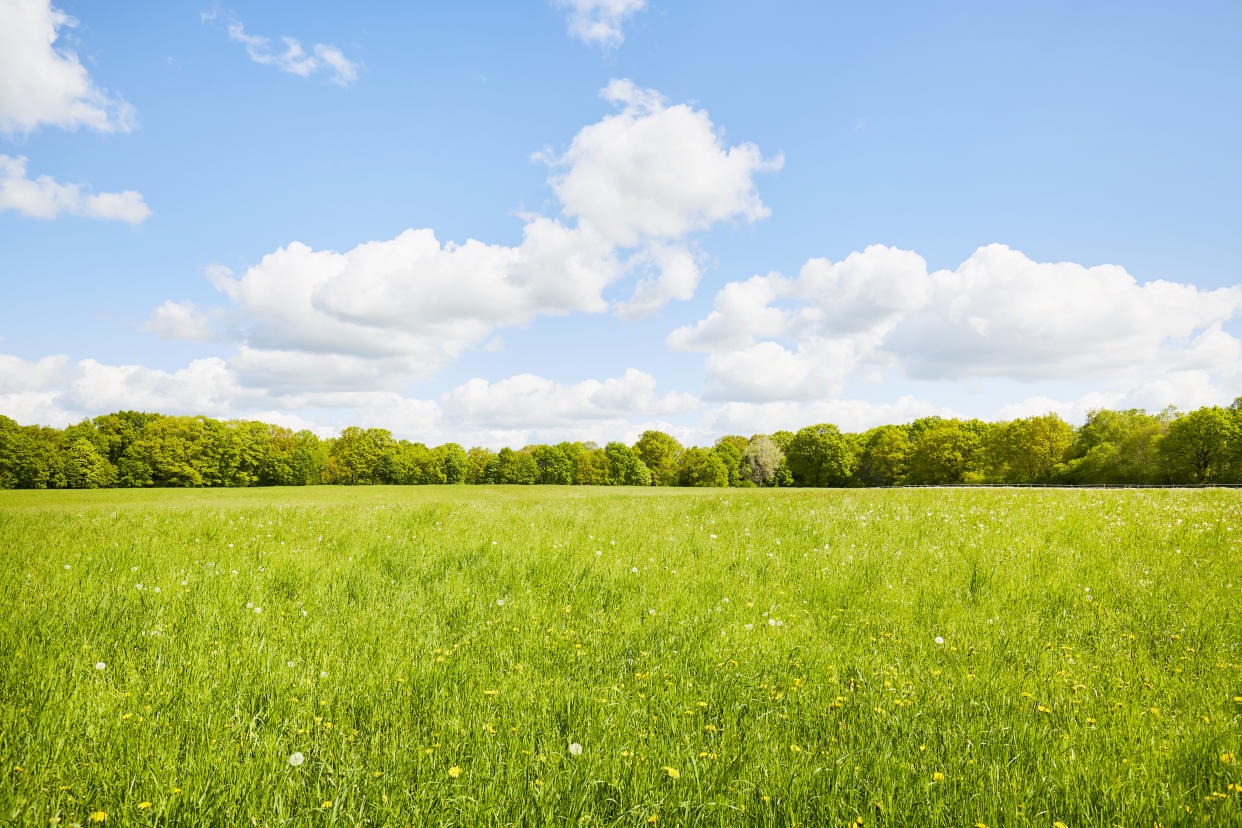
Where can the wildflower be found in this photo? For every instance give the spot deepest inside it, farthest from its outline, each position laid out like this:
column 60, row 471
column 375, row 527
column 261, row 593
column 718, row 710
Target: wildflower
column 296, row 759
column 139, row 586
column 143, row 805
column 937, row 777
column 1059, row 824
column 99, row 665
column 653, row 819
column 673, row 773
column 323, row 673
column 327, row 803
column 575, row 749
column 771, row 622
column 99, row 816
column 500, row 602
column 1226, row 758
column 454, row 771
column 939, row 639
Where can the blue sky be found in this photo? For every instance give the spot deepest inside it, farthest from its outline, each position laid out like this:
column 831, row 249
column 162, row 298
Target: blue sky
column 707, row 218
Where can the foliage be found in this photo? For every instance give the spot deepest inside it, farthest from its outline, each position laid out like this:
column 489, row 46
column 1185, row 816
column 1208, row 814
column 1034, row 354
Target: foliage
column 821, row 455
column 139, row 450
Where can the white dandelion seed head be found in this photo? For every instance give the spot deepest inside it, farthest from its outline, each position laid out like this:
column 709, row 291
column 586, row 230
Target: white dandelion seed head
column 575, row 749
column 713, row 537
column 634, row 570
column 651, row 612
column 156, row 589
column 500, row 602
column 296, row 759
column 939, row 639
column 249, row 605
column 323, row 673
column 99, row 665
column 67, row 566
column 138, row 586
column 771, row 622
column 258, row 610
column 133, row 569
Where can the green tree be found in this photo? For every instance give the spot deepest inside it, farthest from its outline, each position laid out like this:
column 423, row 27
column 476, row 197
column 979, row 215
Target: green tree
column 659, row 452
column 945, row 452
column 1198, row 445
column 1029, row 450
column 821, row 455
column 454, row 461
column 697, row 467
column 1117, row 447
column 516, row 467
column 729, row 452
column 355, row 456
column 554, row 467
column 86, row 468
column 885, row 455
column 591, row 467
column 478, row 459
column 624, row 466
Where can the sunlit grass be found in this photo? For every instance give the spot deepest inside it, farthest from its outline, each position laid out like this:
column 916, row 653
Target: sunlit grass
column 429, row 656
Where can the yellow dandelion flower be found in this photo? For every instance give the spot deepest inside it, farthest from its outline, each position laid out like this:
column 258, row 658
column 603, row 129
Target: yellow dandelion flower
column 327, row 804
column 454, row 771
column 673, row 773
column 937, row 777
column 99, row 816
column 1059, row 824
column 653, row 819
column 1226, row 758
column 143, row 805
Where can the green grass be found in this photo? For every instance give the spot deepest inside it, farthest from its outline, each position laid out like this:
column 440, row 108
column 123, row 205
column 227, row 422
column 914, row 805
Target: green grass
column 776, row 649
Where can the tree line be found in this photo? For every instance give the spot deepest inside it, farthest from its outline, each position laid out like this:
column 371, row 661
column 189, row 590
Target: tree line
column 136, row 449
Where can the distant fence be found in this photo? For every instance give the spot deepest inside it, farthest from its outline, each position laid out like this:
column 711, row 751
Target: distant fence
column 1067, row 486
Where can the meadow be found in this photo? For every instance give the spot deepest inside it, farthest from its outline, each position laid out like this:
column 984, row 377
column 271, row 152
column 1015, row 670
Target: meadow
column 584, row 656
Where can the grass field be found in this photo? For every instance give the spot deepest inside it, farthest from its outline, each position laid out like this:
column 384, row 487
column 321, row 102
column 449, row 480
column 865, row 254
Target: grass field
column 437, row 655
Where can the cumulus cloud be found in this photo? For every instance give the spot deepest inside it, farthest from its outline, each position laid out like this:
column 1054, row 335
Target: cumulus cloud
column 46, row 198
column 747, row 418
column 998, row 315
column 654, row 171
column 179, row 320
column 526, row 401
column 42, row 82
column 514, row 411
column 290, row 57
column 634, row 189
column 598, row 22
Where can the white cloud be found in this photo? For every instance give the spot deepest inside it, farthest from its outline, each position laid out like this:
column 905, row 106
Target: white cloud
column 514, row 411
column 293, row 58
column 598, row 22
column 43, row 83
column 998, row 315
column 179, row 320
column 848, row 415
column 656, row 172
column 527, row 401
column 46, row 198
column 388, row 313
